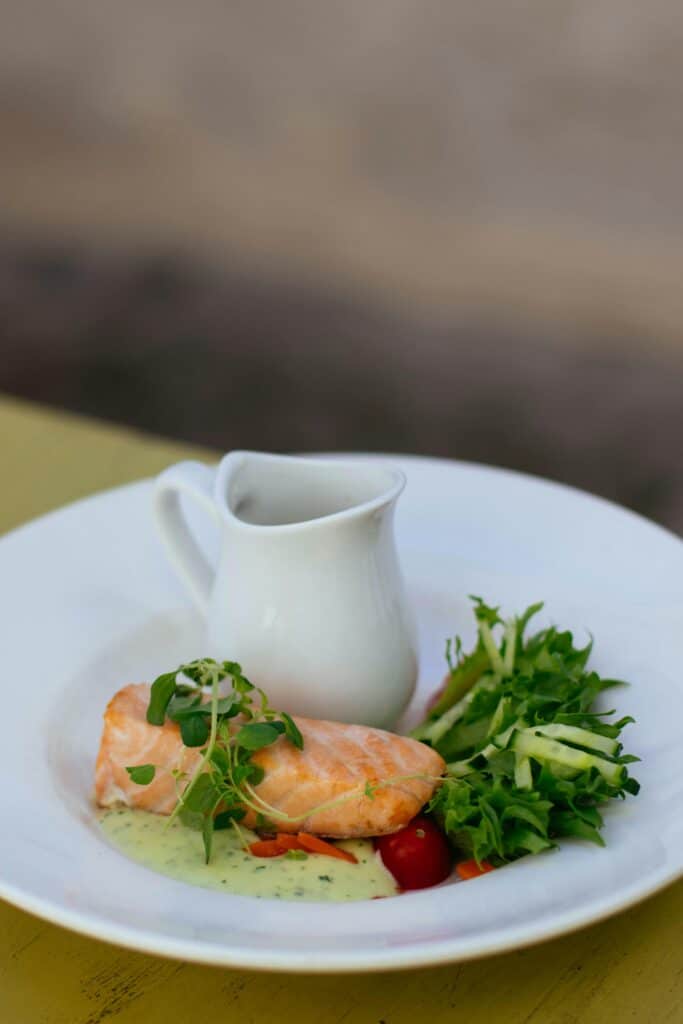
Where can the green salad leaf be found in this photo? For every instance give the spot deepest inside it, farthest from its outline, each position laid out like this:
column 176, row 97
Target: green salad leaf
column 530, row 759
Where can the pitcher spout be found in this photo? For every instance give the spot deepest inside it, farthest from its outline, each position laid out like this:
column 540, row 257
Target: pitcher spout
column 282, row 491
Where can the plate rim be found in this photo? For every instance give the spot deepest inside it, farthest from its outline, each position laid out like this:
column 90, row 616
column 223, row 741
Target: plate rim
column 423, row 954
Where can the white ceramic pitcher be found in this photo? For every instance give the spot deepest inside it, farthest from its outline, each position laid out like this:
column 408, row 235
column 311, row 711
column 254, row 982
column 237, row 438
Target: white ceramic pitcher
column 307, row 594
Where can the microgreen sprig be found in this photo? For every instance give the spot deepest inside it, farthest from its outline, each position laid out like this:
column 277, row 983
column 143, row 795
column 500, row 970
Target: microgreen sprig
column 195, row 696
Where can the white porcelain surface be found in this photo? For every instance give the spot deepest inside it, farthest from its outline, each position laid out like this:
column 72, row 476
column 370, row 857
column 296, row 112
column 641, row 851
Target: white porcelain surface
column 307, row 592
column 88, row 601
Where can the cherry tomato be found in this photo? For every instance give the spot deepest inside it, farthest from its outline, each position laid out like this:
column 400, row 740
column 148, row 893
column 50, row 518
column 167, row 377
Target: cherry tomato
column 418, row 856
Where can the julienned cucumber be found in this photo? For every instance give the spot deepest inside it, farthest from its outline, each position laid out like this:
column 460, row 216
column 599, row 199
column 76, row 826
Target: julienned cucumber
column 523, row 777
column 529, row 744
column 579, row 737
column 433, row 730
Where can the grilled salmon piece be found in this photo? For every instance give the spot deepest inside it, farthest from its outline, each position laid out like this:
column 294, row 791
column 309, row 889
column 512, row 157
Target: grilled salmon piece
column 338, row 760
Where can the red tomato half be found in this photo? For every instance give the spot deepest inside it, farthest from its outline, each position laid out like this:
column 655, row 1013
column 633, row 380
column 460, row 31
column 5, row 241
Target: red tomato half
column 418, row 856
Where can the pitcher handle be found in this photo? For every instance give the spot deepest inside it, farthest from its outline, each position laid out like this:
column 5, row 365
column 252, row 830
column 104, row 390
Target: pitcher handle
column 195, row 480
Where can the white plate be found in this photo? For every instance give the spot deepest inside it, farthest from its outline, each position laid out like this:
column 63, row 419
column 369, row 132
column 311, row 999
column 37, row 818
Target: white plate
column 87, row 603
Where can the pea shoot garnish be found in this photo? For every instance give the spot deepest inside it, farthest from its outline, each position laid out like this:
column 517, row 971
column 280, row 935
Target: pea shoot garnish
column 202, row 697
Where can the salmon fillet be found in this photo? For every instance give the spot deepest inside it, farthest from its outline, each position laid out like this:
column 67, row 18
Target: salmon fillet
column 337, row 760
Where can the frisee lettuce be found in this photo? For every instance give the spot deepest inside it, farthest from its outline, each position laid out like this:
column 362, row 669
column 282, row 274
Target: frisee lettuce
column 530, row 760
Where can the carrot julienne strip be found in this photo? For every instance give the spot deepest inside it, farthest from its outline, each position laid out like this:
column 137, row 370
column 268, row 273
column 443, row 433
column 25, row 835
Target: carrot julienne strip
column 314, row 844
column 266, row 848
column 288, row 842
column 470, row 869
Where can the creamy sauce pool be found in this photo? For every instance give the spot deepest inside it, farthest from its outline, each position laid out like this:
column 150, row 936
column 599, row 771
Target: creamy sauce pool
column 177, row 851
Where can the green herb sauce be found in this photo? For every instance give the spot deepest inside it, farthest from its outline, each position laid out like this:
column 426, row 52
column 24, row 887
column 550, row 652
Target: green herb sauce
column 177, row 851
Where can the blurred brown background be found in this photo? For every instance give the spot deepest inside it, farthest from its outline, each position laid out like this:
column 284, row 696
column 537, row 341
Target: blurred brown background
column 443, row 228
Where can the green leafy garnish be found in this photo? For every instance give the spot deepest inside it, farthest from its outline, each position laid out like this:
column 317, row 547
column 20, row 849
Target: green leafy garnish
column 258, row 735
column 529, row 759
column 194, row 731
column 142, row 774
column 163, row 689
column 202, row 697
column 292, row 731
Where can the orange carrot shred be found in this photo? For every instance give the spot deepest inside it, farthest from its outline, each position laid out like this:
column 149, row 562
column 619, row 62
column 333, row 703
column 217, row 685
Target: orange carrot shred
column 303, row 841
column 314, row 844
column 288, row 842
column 470, row 869
column 266, row 848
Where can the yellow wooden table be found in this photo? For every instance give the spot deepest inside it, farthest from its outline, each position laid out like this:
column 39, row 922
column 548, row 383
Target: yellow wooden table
column 627, row 969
